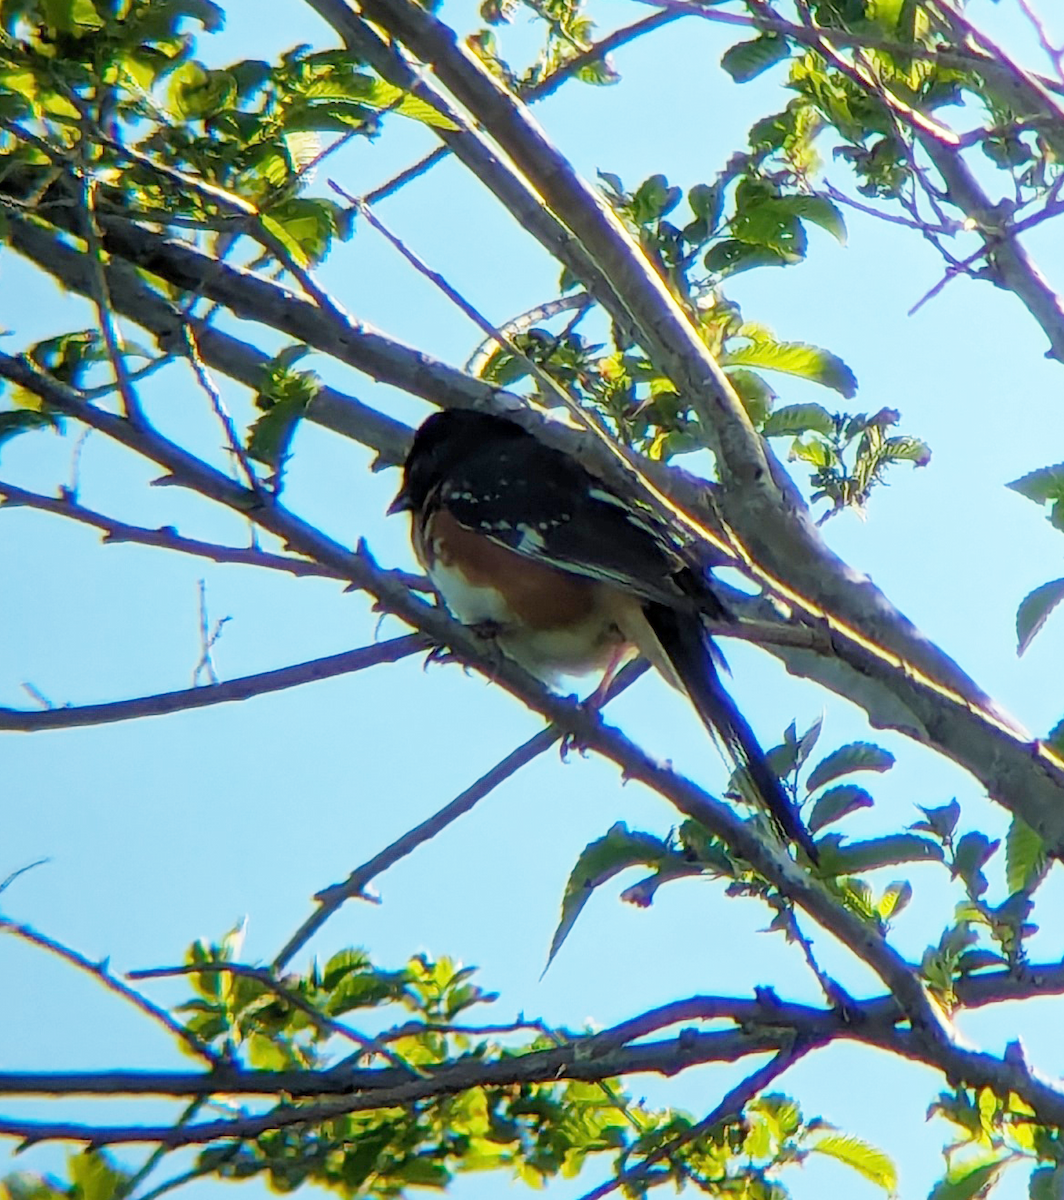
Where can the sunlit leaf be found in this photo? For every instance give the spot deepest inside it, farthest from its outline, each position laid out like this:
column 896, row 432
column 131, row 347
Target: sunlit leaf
column 1025, row 855
column 870, row 1161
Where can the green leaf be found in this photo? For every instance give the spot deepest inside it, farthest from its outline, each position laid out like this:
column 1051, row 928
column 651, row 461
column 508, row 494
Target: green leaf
column 1041, row 486
column 599, row 861
column 1025, row 856
column 746, row 60
column 818, row 209
column 855, row 756
column 310, row 224
column 196, row 93
column 836, row 803
column 287, row 241
column 730, row 256
column 906, row 449
column 966, row 1181
column 21, row 420
column 1047, row 1183
column 94, row 1176
column 1034, row 611
column 971, row 855
column 795, row 358
column 895, row 898
column 870, row 1161
column 653, row 199
column 264, row 1054
column 74, row 17
column 884, row 852
column 799, row 418
column 754, row 392
column 940, row 821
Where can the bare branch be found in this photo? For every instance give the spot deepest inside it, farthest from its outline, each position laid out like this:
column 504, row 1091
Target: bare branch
column 244, row 688
column 331, row 898
column 165, row 537
column 99, row 971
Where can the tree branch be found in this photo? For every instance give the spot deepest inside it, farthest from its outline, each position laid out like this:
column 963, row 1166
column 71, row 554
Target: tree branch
column 165, row 537
column 331, row 898
column 100, row 972
column 345, row 663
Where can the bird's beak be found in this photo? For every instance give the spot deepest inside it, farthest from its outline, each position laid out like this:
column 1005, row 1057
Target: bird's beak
column 401, row 503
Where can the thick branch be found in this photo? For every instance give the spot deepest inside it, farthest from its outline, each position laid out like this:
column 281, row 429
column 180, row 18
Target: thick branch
column 664, row 329
column 1012, row 266
column 134, row 299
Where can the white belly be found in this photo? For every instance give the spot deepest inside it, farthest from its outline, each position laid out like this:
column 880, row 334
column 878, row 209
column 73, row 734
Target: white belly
column 592, row 645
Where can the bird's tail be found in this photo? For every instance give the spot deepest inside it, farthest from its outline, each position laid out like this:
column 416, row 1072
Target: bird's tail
column 687, row 648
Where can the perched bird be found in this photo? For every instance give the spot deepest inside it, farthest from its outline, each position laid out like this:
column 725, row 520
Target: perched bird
column 567, row 575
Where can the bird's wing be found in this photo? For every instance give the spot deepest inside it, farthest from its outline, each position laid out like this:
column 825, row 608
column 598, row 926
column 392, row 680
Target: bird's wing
column 546, row 507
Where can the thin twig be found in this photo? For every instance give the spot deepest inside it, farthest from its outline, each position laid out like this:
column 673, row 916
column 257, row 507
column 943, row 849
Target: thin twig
column 21, row 871
column 221, row 411
column 165, row 537
column 331, row 898
column 208, row 639
column 99, row 972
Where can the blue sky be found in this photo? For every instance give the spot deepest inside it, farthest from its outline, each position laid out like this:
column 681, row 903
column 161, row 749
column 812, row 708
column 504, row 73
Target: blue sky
column 165, row 830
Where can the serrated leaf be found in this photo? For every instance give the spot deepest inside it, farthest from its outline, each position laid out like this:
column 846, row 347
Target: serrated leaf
column 796, row 358
column 1041, row 486
column 746, row 60
column 799, row 418
column 854, row 756
column 870, row 1161
column 836, row 803
column 599, row 861
column 885, row 852
column 1025, row 855
column 907, row 449
column 1034, row 611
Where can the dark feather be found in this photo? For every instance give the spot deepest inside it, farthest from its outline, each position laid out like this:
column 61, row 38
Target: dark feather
column 686, row 646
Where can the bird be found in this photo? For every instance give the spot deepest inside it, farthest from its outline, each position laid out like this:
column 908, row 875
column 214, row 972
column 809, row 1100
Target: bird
column 569, row 576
